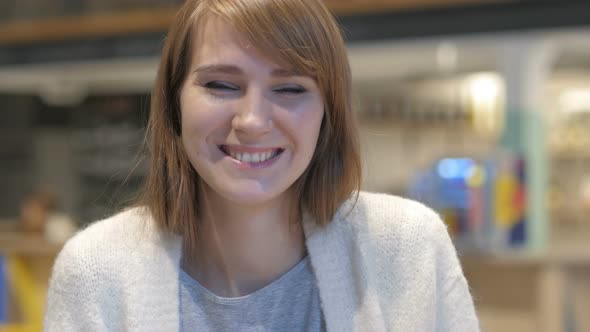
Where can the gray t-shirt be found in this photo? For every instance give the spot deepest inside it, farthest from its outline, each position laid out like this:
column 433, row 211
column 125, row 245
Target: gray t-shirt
column 290, row 303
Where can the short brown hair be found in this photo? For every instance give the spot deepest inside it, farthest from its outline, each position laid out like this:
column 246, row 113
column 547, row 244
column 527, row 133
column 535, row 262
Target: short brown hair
column 301, row 33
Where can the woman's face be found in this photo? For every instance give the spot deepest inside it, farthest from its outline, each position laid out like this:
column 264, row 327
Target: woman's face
column 249, row 125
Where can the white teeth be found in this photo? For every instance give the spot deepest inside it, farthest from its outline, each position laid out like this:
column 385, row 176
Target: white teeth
column 252, row 157
column 246, row 157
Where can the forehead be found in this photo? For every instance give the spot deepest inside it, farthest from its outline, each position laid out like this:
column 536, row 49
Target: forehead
column 216, row 40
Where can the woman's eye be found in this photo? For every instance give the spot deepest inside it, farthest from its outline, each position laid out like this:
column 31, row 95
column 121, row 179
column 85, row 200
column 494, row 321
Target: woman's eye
column 290, row 89
column 221, row 86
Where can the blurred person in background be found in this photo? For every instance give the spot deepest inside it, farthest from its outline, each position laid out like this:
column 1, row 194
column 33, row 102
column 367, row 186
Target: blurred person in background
column 39, row 215
column 35, row 210
column 252, row 218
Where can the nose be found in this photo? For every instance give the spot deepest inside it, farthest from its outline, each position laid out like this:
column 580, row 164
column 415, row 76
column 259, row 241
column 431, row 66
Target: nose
column 253, row 117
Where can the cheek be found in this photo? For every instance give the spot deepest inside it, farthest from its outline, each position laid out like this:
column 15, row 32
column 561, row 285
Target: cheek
column 200, row 118
column 310, row 123
column 304, row 127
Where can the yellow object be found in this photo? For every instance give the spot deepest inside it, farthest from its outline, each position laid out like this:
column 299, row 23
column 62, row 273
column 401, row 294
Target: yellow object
column 28, row 297
column 505, row 210
column 477, row 177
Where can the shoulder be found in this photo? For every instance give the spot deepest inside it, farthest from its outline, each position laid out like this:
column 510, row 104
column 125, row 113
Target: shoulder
column 389, row 215
column 384, row 206
column 394, row 227
column 101, row 248
column 87, row 277
column 98, row 269
column 406, row 250
column 108, row 234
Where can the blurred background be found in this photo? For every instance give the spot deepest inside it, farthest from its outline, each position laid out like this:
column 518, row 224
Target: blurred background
column 478, row 108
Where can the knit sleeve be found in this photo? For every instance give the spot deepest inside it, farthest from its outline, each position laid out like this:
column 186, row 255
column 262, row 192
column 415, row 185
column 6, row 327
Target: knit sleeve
column 72, row 303
column 455, row 308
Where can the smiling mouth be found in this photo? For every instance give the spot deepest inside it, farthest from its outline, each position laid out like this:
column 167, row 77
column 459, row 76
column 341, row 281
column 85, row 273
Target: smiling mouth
column 260, row 156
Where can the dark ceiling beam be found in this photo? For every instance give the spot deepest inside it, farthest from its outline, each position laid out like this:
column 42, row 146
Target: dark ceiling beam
column 120, row 23
column 467, row 19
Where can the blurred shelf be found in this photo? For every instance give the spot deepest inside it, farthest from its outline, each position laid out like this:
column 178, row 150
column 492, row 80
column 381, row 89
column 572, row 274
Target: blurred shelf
column 523, row 291
column 362, row 6
column 574, row 253
column 571, row 156
column 26, row 245
column 86, row 26
column 498, row 319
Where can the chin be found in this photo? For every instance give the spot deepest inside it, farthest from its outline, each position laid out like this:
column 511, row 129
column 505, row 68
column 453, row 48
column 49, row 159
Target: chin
column 250, row 199
column 247, row 195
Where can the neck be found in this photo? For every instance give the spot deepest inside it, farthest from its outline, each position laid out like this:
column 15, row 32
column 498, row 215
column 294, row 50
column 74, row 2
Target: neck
column 244, row 248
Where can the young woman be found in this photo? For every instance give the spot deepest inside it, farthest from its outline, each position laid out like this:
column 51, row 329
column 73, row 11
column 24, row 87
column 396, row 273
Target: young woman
column 252, row 218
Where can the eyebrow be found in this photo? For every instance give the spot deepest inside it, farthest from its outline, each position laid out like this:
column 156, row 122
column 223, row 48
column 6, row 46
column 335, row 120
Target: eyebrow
column 234, row 70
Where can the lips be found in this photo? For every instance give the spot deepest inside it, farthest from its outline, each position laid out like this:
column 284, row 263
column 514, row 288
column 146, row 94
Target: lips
column 250, row 154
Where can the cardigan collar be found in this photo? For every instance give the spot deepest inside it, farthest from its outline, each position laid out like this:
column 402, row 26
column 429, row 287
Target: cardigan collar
column 337, row 263
column 330, row 260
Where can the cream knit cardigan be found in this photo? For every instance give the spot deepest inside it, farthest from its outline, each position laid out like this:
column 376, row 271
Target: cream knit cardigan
column 386, row 264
